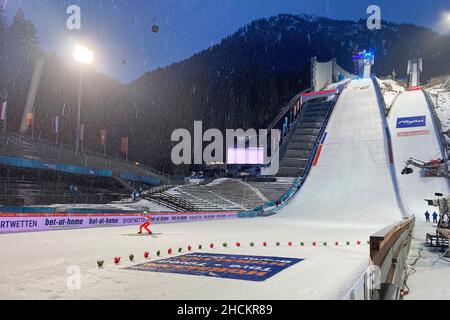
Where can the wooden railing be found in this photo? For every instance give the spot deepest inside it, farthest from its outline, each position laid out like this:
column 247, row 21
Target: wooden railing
column 389, row 249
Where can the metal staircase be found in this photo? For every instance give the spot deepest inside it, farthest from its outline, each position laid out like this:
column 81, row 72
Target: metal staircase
column 298, row 146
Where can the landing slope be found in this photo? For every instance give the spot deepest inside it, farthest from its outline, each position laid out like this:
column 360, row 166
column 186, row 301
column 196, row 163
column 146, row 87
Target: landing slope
column 414, row 134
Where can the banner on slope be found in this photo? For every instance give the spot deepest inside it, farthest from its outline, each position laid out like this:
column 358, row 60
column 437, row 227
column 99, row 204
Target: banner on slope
column 412, row 122
column 246, row 268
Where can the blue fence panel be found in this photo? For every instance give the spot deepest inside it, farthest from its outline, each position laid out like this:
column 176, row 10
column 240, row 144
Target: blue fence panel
column 38, row 164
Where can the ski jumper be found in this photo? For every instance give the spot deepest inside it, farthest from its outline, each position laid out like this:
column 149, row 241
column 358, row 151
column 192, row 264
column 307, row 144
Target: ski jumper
column 145, row 225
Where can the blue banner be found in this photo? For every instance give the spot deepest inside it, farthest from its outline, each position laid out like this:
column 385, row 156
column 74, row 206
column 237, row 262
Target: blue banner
column 247, row 268
column 38, row 164
column 412, row 122
column 144, row 179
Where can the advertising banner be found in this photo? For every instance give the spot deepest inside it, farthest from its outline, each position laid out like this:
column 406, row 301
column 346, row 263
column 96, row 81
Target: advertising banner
column 247, row 268
column 412, row 122
column 14, row 223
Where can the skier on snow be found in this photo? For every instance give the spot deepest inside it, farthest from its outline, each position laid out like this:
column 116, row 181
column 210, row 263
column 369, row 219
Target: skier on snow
column 147, row 224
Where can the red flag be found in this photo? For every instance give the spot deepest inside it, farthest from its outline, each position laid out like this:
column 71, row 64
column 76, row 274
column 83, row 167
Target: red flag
column 103, row 137
column 124, row 145
column 30, row 119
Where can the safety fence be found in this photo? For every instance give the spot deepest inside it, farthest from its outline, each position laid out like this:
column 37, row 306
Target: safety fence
column 384, row 278
column 389, row 250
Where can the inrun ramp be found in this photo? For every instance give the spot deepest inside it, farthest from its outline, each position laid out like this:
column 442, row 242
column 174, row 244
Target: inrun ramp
column 352, row 183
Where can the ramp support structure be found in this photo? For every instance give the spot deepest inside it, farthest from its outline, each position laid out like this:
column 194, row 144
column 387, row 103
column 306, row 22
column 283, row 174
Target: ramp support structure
column 415, row 67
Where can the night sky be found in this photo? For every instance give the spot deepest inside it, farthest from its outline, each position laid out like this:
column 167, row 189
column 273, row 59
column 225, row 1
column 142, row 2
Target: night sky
column 118, row 28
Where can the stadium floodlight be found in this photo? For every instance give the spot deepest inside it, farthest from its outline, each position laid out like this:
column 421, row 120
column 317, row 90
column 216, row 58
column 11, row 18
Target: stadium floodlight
column 83, row 55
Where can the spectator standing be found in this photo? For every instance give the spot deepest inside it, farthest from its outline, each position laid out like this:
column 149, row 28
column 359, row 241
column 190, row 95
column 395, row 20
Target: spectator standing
column 427, row 216
column 435, row 217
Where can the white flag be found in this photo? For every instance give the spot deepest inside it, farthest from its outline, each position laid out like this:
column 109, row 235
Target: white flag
column 3, row 111
column 82, row 132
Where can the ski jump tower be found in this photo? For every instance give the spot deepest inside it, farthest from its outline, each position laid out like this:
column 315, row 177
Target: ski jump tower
column 364, row 61
column 415, row 67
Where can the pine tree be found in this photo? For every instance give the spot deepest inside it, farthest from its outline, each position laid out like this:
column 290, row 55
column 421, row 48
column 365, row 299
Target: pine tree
column 21, row 50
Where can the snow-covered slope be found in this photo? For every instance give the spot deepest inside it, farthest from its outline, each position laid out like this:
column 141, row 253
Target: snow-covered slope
column 391, row 90
column 352, row 183
column 420, row 142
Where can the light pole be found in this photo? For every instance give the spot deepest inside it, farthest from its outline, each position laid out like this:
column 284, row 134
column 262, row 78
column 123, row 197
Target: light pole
column 83, row 56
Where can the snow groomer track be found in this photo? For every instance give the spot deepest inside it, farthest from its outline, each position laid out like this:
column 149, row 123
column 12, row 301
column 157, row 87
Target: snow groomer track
column 350, row 194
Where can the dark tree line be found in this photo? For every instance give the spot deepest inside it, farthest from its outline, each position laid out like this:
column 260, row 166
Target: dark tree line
column 241, row 83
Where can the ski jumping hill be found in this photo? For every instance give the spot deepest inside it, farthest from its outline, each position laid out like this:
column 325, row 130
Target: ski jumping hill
column 349, row 195
column 352, row 184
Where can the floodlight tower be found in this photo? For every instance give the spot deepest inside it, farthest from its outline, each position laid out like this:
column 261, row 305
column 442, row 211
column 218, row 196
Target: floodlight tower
column 83, row 56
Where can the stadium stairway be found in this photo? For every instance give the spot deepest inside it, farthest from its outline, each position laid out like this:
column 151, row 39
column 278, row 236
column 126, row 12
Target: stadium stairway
column 221, row 195
column 296, row 152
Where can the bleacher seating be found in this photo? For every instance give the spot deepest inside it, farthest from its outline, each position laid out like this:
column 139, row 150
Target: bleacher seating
column 14, row 145
column 221, row 195
column 273, row 191
column 35, row 187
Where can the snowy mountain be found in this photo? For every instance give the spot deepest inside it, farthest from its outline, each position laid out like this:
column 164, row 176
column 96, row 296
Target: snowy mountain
column 247, row 78
column 242, row 82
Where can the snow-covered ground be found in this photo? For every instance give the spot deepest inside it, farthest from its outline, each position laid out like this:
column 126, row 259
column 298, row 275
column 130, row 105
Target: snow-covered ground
column 429, row 276
column 391, row 90
column 441, row 100
column 36, row 266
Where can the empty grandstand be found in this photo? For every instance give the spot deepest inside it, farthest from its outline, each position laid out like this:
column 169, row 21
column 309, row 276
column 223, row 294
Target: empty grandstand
column 36, row 172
